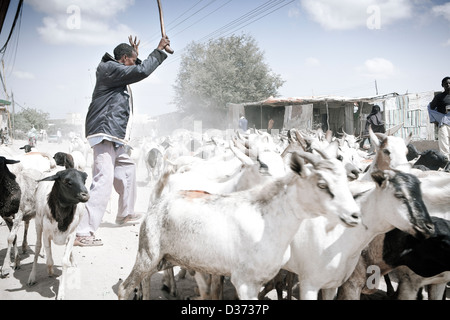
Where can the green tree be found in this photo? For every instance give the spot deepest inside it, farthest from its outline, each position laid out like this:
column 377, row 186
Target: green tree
column 28, row 118
column 226, row 70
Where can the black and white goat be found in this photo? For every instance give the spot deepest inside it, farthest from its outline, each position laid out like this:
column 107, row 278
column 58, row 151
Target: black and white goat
column 9, row 190
column 9, row 198
column 26, row 178
column 419, row 262
column 27, row 148
column 59, row 208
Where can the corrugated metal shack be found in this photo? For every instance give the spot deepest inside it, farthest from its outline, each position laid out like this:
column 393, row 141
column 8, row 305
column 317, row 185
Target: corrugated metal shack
column 338, row 113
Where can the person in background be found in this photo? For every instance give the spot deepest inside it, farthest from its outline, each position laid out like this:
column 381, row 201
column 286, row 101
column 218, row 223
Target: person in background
column 438, row 111
column 243, row 123
column 59, row 135
column 374, row 120
column 108, row 132
column 6, row 139
column 270, row 125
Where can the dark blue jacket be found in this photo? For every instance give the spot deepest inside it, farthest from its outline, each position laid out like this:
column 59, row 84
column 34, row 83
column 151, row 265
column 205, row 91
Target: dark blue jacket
column 109, row 110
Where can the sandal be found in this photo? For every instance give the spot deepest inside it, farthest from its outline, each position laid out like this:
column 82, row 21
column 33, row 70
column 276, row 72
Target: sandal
column 89, row 241
column 131, row 218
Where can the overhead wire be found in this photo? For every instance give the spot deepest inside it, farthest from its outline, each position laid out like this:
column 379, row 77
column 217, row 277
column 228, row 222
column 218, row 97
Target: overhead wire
column 253, row 15
column 244, row 17
column 259, row 18
column 14, row 36
column 17, row 17
column 217, row 9
column 155, row 37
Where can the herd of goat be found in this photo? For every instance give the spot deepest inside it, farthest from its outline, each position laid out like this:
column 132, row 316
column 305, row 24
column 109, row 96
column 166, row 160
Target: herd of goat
column 299, row 208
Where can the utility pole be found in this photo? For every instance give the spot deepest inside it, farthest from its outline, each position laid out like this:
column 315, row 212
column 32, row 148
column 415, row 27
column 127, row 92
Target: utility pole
column 376, row 87
column 13, row 131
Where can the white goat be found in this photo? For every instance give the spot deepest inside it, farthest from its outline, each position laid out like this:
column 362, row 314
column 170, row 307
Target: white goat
column 194, row 178
column 436, row 192
column 60, row 205
column 244, row 234
column 324, row 255
column 390, row 153
column 35, row 160
column 80, row 144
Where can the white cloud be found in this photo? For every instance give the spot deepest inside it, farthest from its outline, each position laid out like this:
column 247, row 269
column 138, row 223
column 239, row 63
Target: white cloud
column 23, row 75
column 312, row 62
column 442, row 10
column 351, row 14
column 98, row 8
column 82, row 22
column 377, row 68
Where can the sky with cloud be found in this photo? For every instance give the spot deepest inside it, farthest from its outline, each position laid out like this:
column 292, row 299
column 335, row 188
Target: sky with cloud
column 319, row 47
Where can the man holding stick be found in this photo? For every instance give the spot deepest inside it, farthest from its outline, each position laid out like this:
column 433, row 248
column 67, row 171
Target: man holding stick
column 107, row 130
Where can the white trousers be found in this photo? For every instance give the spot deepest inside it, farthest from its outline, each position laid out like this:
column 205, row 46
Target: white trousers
column 443, row 138
column 112, row 167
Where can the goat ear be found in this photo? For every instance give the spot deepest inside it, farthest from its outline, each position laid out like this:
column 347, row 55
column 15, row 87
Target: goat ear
column 379, row 177
column 7, row 161
column 298, row 164
column 263, row 168
column 69, row 163
column 382, row 177
column 332, row 149
column 408, row 138
column 51, row 178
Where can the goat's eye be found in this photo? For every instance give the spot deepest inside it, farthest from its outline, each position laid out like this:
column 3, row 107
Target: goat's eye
column 386, row 152
column 340, row 158
column 399, row 196
column 322, row 185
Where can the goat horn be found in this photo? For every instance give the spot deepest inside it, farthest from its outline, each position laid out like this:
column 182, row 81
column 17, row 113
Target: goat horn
column 311, row 158
column 240, row 155
column 381, row 136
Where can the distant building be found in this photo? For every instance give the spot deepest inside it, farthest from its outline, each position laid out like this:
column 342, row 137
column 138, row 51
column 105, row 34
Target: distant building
column 75, row 119
column 339, row 113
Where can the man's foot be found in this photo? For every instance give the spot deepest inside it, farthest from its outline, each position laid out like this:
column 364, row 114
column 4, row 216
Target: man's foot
column 129, row 218
column 88, row 241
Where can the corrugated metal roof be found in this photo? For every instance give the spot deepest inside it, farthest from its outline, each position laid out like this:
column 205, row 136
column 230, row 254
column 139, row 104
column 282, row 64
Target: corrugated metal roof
column 305, row 100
